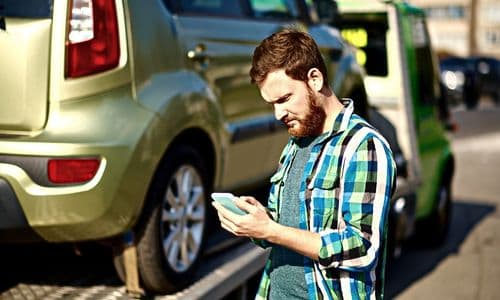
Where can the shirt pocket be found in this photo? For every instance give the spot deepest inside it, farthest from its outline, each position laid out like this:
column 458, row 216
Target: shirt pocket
column 324, row 200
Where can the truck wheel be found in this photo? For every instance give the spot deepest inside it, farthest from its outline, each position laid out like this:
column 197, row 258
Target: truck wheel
column 438, row 224
column 171, row 235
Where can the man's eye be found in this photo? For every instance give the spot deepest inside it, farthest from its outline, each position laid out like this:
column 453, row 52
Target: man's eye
column 283, row 100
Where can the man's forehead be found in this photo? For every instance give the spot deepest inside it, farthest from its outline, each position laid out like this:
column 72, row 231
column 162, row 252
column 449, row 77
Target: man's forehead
column 276, row 85
column 276, row 75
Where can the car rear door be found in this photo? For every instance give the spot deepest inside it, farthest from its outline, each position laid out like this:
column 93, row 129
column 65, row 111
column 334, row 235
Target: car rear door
column 25, row 33
column 219, row 39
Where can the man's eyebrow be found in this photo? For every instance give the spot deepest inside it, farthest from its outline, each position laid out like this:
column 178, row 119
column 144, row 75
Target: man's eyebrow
column 282, row 98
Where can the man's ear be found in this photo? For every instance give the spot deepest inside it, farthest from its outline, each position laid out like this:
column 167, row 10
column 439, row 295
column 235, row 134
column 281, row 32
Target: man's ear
column 315, row 79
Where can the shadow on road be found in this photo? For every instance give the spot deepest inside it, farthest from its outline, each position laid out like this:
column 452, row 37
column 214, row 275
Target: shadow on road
column 55, row 266
column 417, row 261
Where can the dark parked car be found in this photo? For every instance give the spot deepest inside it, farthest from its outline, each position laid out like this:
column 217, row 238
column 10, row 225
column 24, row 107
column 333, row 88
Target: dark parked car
column 467, row 79
column 488, row 72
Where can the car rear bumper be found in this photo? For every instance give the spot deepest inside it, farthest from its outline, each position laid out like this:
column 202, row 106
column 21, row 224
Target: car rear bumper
column 110, row 127
column 66, row 212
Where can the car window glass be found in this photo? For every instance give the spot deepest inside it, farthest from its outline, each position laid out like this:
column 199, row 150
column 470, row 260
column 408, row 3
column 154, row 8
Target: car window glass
column 368, row 35
column 274, row 9
column 427, row 79
column 226, row 8
column 25, row 8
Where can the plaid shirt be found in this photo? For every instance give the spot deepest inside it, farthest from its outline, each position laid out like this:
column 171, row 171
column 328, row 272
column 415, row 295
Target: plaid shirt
column 350, row 242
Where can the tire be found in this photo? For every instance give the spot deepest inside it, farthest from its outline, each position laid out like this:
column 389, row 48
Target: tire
column 171, row 234
column 436, row 227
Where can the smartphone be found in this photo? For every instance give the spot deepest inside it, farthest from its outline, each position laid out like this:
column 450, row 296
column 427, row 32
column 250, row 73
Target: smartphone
column 226, row 199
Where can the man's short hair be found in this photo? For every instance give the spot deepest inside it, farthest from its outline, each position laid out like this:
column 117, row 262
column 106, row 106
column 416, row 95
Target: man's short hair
column 291, row 50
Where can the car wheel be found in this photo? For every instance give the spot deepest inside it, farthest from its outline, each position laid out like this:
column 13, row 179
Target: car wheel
column 171, row 235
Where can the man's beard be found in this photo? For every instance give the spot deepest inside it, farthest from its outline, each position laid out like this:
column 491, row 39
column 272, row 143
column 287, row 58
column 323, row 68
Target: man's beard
column 312, row 123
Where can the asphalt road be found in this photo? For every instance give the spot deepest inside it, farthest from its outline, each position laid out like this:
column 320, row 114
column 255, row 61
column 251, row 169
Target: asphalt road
column 467, row 266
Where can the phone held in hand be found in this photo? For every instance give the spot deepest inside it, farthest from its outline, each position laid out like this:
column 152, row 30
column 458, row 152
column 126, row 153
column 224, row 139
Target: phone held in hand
column 226, row 199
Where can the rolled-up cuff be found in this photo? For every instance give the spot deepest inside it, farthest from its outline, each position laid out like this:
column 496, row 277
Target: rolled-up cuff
column 331, row 249
column 261, row 243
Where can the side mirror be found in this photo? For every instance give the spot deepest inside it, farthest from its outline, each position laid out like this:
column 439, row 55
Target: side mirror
column 328, row 12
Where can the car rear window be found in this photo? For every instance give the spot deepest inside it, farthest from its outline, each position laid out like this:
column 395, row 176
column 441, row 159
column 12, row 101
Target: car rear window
column 274, row 9
column 26, row 8
column 224, row 8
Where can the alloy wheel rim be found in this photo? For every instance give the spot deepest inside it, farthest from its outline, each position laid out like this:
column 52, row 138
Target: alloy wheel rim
column 183, row 218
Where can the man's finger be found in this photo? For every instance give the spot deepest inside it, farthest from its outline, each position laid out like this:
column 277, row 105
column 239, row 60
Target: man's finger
column 250, row 200
column 227, row 228
column 244, row 205
column 224, row 211
column 231, row 227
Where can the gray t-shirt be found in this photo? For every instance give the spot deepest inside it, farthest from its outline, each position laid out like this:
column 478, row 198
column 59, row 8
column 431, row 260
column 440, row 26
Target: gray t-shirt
column 287, row 272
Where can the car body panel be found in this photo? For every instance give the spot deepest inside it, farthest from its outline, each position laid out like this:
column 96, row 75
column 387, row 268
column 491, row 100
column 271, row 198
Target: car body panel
column 54, row 211
column 24, row 74
column 225, row 68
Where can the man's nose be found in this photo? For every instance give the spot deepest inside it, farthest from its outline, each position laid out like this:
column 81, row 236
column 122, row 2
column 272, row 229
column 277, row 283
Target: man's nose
column 279, row 112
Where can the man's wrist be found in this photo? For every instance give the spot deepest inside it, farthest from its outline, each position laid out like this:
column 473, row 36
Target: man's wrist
column 273, row 232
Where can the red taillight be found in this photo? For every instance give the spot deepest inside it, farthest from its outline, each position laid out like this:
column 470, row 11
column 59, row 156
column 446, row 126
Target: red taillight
column 72, row 170
column 92, row 44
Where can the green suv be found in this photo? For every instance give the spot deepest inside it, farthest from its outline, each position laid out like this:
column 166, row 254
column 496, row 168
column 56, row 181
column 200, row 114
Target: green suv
column 119, row 116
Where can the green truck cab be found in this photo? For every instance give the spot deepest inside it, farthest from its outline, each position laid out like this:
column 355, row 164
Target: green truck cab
column 402, row 81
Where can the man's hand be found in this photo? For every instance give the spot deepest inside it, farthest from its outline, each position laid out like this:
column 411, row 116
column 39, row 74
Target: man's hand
column 256, row 224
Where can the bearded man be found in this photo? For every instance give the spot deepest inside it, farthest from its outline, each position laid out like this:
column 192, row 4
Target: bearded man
column 327, row 209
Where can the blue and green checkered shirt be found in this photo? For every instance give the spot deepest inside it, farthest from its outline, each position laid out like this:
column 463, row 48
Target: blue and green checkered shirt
column 351, row 239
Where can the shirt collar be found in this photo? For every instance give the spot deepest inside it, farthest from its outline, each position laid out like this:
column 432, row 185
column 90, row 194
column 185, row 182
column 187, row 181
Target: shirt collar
column 341, row 121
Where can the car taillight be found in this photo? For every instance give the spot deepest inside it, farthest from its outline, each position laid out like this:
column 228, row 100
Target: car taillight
column 72, row 170
column 92, row 44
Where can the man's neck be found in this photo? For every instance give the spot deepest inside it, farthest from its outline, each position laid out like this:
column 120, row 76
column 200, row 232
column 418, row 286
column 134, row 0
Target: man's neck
column 333, row 107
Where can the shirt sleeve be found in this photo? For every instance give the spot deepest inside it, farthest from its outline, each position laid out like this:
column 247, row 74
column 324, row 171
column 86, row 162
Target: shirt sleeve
column 367, row 189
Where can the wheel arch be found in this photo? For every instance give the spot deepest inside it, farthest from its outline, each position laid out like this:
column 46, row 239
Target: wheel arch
column 201, row 141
